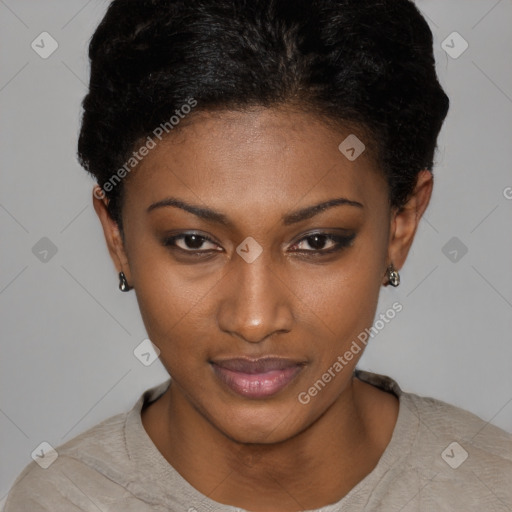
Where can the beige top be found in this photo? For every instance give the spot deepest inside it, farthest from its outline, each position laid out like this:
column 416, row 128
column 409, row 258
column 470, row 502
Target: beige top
column 440, row 458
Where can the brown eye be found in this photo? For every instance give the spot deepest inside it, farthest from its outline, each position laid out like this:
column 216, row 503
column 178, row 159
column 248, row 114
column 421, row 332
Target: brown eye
column 191, row 242
column 318, row 242
column 323, row 243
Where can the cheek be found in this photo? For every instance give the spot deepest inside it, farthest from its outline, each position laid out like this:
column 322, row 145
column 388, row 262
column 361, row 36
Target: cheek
column 169, row 301
column 339, row 307
column 344, row 295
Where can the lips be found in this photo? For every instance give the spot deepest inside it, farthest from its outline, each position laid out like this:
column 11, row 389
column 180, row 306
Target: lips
column 256, row 378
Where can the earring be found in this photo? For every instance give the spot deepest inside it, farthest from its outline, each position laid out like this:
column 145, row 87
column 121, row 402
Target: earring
column 123, row 283
column 393, row 276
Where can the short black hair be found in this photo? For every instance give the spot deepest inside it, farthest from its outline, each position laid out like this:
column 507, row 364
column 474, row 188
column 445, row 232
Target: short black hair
column 366, row 63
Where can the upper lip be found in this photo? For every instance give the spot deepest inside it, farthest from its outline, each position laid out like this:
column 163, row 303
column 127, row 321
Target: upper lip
column 260, row 365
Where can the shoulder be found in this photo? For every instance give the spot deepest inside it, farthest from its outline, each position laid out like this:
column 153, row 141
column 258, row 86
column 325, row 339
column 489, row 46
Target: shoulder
column 95, row 468
column 446, row 421
column 441, row 457
column 92, row 471
column 459, row 456
column 74, row 472
column 442, row 421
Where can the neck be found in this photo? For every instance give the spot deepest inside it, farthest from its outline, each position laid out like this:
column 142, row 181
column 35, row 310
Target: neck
column 314, row 468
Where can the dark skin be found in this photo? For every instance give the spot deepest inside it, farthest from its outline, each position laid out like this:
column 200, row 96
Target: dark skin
column 271, row 454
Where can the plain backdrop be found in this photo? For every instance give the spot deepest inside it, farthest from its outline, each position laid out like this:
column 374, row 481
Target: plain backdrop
column 68, row 334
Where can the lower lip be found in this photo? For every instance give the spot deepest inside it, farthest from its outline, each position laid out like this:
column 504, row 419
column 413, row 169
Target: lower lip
column 257, row 385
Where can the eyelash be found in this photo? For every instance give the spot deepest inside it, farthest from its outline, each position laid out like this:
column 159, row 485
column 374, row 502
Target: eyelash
column 341, row 242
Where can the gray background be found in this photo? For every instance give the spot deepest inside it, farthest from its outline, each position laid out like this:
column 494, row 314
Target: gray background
column 68, row 334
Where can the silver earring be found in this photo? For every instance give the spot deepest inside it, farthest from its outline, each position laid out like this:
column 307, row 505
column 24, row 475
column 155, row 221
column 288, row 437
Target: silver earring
column 123, row 283
column 393, row 276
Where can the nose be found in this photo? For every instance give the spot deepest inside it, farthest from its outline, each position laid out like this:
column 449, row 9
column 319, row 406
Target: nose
column 255, row 303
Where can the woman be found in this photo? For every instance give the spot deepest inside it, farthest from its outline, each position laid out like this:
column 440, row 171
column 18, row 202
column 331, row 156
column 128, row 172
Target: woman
column 262, row 168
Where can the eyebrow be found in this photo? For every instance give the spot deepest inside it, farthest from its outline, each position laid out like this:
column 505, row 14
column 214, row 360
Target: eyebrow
column 311, row 211
column 219, row 218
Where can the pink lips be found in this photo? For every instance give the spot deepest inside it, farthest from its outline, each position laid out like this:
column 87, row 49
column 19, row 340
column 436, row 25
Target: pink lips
column 256, row 378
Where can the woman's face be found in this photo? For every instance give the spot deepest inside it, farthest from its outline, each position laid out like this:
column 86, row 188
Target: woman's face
column 258, row 271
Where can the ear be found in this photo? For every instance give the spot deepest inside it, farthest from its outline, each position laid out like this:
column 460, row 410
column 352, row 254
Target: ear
column 405, row 220
column 112, row 233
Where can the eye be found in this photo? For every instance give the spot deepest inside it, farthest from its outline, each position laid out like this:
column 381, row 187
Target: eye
column 323, row 243
column 191, row 242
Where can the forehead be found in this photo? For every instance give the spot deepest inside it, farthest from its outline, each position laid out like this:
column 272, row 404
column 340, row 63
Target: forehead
column 228, row 158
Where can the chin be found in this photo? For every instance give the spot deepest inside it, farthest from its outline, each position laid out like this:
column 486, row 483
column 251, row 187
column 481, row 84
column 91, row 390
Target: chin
column 258, row 425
